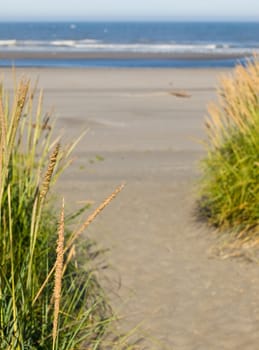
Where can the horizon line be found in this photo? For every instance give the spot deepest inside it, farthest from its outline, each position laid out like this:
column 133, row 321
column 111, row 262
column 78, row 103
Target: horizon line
column 127, row 18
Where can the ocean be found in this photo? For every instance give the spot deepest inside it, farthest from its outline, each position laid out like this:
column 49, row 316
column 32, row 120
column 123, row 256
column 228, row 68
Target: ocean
column 127, row 44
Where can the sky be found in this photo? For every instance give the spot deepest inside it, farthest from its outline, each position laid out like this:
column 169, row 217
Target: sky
column 116, row 9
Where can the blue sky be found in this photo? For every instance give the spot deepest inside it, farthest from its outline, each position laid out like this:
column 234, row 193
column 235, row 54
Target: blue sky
column 22, row 9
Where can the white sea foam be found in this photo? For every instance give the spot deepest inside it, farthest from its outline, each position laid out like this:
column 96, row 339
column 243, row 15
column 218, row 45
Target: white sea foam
column 73, row 43
column 8, row 42
column 69, row 43
column 90, row 45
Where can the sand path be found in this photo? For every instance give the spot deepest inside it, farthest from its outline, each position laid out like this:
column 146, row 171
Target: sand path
column 162, row 272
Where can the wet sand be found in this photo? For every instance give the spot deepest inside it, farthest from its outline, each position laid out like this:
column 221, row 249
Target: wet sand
column 161, row 272
column 13, row 55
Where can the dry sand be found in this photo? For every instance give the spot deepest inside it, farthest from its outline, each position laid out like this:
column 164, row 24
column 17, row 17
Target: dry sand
column 162, row 272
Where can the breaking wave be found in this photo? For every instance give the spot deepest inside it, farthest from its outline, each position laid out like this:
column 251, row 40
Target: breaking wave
column 89, row 45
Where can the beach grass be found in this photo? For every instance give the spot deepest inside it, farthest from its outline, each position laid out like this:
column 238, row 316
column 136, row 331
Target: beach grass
column 49, row 295
column 229, row 188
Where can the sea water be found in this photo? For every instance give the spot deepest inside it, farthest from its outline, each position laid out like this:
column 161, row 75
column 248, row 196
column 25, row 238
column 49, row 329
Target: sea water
column 204, row 44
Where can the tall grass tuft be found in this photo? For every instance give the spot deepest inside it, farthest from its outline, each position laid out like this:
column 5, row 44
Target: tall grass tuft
column 230, row 180
column 32, row 316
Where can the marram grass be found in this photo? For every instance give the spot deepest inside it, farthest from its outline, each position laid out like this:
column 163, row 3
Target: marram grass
column 49, row 297
column 230, row 179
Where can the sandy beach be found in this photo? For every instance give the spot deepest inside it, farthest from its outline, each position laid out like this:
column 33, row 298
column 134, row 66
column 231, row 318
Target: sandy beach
column 143, row 130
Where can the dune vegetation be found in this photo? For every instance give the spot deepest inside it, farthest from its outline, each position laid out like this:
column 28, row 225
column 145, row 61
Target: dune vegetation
column 49, row 297
column 230, row 171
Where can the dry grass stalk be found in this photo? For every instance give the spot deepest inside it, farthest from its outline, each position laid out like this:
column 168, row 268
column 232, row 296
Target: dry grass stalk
column 3, row 155
column 3, row 121
column 49, row 172
column 21, row 98
column 2, row 139
column 90, row 218
column 43, row 285
column 78, row 233
column 71, row 254
column 58, row 273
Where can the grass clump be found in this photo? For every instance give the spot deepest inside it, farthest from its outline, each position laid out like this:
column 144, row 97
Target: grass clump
column 230, row 181
column 49, row 298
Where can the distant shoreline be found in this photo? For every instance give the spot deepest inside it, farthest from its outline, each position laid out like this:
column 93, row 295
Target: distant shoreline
column 13, row 55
